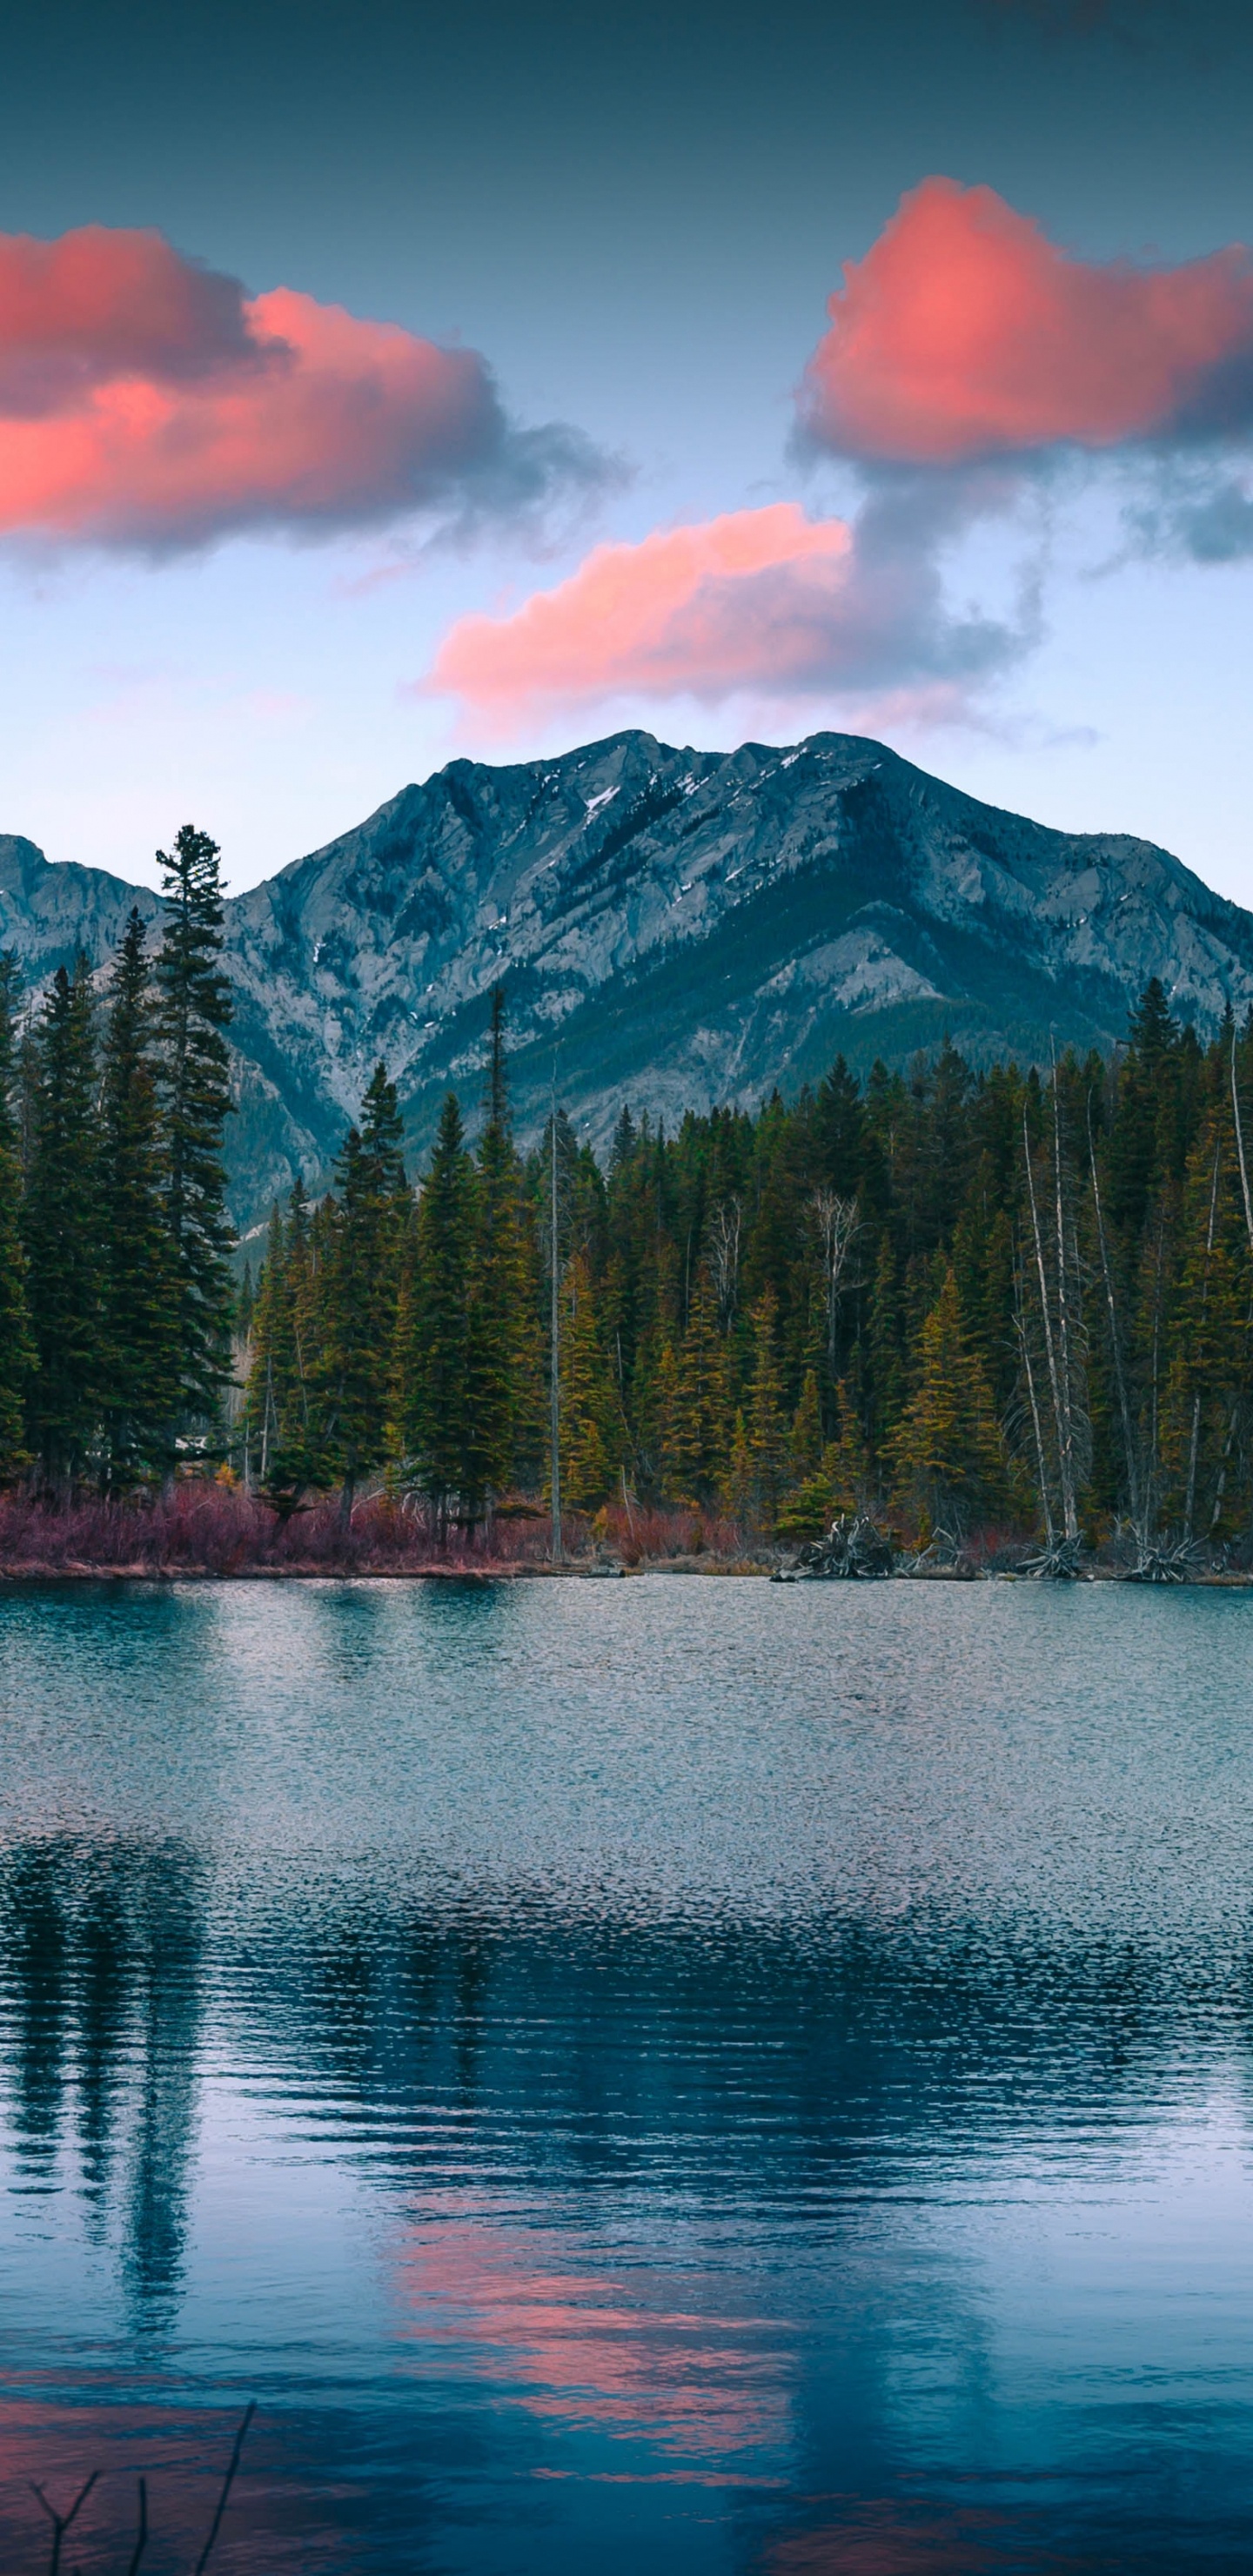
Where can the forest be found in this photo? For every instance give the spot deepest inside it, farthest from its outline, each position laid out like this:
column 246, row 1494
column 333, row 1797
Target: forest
column 1016, row 1303
column 948, row 1300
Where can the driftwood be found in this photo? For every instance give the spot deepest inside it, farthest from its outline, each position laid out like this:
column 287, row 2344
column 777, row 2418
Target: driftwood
column 940, row 1555
column 1161, row 1564
column 1059, row 1563
column 853, row 1551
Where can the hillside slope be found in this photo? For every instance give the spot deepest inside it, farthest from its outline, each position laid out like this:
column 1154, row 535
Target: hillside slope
column 678, row 927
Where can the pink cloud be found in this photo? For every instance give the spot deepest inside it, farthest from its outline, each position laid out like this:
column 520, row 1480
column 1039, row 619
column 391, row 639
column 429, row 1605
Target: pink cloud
column 765, row 601
column 146, row 399
column 681, row 610
column 965, row 332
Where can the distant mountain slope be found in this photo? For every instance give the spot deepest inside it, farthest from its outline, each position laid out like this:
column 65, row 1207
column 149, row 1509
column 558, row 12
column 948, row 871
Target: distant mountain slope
column 681, row 927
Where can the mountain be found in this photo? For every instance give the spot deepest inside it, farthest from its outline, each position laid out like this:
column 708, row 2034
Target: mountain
column 673, row 928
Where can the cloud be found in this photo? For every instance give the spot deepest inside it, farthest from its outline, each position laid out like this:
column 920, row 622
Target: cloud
column 146, row 400
column 763, row 601
column 966, row 333
column 1190, row 513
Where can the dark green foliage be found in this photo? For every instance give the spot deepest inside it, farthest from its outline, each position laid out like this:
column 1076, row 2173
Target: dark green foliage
column 954, row 1296
column 17, row 1348
column 63, row 1232
column 195, row 1012
column 139, row 1300
column 357, row 1306
column 434, row 1340
column 502, row 1359
column 282, row 1454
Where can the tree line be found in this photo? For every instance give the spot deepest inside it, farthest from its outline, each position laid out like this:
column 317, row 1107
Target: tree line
column 949, row 1298
column 945, row 1298
column 117, row 1303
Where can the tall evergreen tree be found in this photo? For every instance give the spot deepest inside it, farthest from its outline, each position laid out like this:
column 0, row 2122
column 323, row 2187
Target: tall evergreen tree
column 435, row 1393
column 592, row 1445
column 140, row 1381
column 947, row 1449
column 503, row 1363
column 281, row 1430
column 17, row 1346
column 767, row 1432
column 195, row 1012
column 359, row 1302
column 61, row 1220
column 703, row 1406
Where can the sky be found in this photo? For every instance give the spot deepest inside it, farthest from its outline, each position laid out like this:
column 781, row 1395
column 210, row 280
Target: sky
column 384, row 386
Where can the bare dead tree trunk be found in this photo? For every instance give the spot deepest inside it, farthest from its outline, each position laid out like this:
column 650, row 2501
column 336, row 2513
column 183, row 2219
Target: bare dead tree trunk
column 838, row 1226
column 1221, row 1485
column 1046, row 1314
column 1195, row 1441
column 1069, row 1478
column 1024, row 1342
column 1154, row 1409
column 1115, row 1338
column 724, row 1255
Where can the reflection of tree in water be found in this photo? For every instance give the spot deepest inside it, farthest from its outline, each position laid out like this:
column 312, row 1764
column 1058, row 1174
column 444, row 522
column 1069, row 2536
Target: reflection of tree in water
column 580, row 2042
column 566, row 2043
column 37, row 1943
column 99, row 2015
column 168, row 2030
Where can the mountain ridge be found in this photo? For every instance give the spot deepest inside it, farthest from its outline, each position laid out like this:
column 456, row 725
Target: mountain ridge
column 680, row 928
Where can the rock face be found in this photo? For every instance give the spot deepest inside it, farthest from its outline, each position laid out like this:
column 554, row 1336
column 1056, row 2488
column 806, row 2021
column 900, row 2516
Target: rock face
column 674, row 928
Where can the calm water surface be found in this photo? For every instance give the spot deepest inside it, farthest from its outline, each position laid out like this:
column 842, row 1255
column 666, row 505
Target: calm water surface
column 668, row 2075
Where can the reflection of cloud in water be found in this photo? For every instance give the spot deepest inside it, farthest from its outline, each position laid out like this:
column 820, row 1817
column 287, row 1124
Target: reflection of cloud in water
column 885, row 2537
column 580, row 2346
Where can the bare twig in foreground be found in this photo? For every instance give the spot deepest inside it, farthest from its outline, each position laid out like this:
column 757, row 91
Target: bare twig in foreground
column 61, row 2521
column 141, row 2541
column 227, row 2482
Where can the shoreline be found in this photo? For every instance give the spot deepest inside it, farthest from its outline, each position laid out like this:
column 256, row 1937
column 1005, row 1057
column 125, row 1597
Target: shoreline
column 740, row 1569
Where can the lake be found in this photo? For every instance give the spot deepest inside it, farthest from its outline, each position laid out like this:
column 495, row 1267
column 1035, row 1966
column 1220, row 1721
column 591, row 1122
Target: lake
column 692, row 2074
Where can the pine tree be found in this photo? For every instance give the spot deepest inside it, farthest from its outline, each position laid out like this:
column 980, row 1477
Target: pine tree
column 738, row 1487
column 261, row 1395
column 947, row 1450
column 139, row 1301
column 804, row 1448
column 846, row 1459
column 360, row 1295
column 61, row 1221
column 434, row 1398
column 195, row 1011
column 17, row 1346
column 1210, row 1334
column 702, row 1425
column 592, row 1443
column 272, row 1412
column 885, row 1348
column 285, row 1380
column 667, row 1414
column 506, row 1395
column 767, row 1437
column 840, row 1483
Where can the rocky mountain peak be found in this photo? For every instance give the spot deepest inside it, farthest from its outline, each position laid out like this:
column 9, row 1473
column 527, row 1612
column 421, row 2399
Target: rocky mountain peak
column 681, row 927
